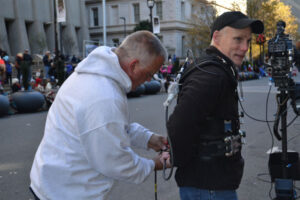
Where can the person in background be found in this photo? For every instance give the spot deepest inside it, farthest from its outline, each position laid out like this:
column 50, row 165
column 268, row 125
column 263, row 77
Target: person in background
column 2, row 73
column 8, row 70
column 47, row 63
column 68, row 69
column 16, row 86
column 25, row 67
column 88, row 136
column 19, row 58
column 60, row 68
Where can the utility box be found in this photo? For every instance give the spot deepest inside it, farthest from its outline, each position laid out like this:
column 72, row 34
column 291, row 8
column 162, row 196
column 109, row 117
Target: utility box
column 292, row 166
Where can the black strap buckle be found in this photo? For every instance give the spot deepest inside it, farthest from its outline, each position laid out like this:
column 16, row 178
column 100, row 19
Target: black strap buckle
column 233, row 143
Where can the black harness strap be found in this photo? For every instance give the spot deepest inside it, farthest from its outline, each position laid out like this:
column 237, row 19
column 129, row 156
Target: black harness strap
column 208, row 62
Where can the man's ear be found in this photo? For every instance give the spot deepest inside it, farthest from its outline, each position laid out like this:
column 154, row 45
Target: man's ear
column 133, row 64
column 216, row 37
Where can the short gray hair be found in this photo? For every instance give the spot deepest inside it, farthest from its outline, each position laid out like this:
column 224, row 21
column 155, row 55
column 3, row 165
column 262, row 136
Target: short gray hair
column 144, row 46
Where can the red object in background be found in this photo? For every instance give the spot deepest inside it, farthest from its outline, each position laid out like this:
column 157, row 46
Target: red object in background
column 37, row 82
column 295, row 72
column 260, row 39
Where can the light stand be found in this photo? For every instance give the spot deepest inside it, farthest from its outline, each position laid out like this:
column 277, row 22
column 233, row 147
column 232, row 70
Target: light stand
column 150, row 4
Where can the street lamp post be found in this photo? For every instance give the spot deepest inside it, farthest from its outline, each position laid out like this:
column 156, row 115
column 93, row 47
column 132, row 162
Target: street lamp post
column 55, row 30
column 124, row 19
column 150, row 4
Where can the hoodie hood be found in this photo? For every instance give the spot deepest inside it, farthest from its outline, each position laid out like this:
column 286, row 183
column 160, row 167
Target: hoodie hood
column 103, row 61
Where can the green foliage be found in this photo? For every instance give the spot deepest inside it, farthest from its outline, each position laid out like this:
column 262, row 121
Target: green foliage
column 143, row 25
column 201, row 21
column 270, row 12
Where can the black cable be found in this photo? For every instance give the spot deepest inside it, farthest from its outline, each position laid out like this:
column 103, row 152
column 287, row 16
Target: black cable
column 170, row 150
column 292, row 121
column 270, row 131
column 263, row 174
column 259, row 120
column 155, row 184
column 272, row 138
column 266, row 181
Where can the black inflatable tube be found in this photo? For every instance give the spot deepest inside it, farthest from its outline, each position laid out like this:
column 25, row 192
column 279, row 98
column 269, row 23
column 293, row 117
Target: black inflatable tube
column 137, row 92
column 4, row 105
column 28, row 101
column 152, row 87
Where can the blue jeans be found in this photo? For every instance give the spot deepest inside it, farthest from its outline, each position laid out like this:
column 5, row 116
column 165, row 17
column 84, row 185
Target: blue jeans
column 191, row 193
column 46, row 72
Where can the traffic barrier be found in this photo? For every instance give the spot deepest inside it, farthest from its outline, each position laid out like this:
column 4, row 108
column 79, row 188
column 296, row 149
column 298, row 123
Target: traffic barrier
column 137, row 92
column 27, row 101
column 152, row 87
column 4, row 105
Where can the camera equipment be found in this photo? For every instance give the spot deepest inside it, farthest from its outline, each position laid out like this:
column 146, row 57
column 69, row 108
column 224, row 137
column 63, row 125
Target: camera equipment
column 280, row 51
column 283, row 166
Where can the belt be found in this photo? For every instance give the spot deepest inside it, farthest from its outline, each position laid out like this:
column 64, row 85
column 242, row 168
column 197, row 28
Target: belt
column 226, row 147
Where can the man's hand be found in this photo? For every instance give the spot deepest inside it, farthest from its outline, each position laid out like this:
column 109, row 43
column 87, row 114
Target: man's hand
column 157, row 142
column 161, row 159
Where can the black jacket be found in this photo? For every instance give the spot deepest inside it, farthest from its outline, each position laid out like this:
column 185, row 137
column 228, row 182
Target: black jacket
column 206, row 93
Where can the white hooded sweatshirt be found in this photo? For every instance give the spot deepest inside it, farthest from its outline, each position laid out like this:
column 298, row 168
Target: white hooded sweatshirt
column 87, row 140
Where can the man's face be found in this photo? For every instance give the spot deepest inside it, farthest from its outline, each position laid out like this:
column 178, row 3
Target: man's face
column 233, row 43
column 141, row 74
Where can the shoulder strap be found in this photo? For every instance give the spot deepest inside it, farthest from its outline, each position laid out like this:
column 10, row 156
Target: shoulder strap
column 207, row 62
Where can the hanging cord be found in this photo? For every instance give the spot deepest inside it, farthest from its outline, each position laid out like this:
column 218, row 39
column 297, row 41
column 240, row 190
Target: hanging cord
column 172, row 93
column 165, row 177
column 240, row 99
column 272, row 137
column 259, row 120
column 155, row 184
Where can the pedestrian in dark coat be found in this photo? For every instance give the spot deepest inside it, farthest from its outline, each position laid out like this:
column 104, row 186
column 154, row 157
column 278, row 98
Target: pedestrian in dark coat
column 26, row 69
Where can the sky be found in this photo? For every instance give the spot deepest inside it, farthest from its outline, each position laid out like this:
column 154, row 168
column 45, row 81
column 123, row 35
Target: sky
column 228, row 4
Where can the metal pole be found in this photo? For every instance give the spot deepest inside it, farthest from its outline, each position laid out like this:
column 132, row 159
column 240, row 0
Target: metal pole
column 60, row 38
column 104, row 22
column 151, row 19
column 284, row 156
column 124, row 27
column 55, row 30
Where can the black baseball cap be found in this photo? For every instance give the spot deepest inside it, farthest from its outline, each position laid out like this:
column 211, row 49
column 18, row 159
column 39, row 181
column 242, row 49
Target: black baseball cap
column 236, row 19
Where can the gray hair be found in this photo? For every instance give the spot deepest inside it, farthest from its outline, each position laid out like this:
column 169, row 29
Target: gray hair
column 142, row 45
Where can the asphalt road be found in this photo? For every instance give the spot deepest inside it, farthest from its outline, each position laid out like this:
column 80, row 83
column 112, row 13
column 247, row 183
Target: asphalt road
column 21, row 134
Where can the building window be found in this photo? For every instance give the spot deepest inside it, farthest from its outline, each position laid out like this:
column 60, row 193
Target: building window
column 95, row 17
column 114, row 15
column 193, row 11
column 159, row 10
column 136, row 12
column 182, row 11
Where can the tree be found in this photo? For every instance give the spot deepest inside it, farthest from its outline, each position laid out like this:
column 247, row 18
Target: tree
column 270, row 12
column 143, row 25
column 201, row 21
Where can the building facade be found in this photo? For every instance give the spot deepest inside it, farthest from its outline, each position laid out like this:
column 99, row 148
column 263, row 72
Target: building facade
column 123, row 15
column 29, row 24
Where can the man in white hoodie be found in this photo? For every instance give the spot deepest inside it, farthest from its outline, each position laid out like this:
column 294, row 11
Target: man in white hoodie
column 88, row 136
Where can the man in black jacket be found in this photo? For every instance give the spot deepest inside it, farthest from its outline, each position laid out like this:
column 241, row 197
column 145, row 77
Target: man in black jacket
column 204, row 127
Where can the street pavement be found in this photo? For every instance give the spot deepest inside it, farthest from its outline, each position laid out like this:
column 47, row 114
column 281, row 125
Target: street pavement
column 21, row 134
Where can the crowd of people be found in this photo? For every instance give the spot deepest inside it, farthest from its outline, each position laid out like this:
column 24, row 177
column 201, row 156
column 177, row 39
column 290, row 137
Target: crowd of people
column 56, row 69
